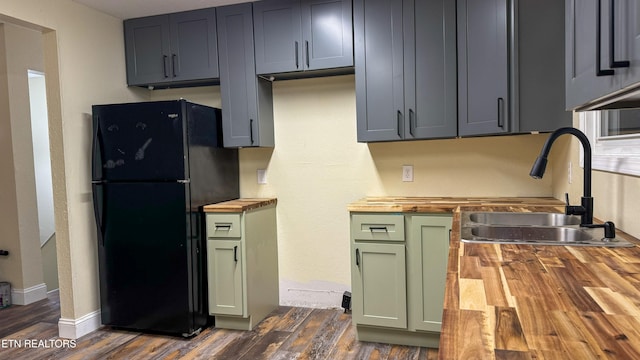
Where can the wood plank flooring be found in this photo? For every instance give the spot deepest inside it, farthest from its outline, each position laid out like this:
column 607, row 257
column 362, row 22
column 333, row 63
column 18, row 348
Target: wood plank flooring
column 288, row 333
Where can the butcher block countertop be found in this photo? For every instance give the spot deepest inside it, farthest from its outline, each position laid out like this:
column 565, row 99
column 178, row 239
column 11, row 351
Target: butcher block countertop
column 532, row 301
column 239, row 205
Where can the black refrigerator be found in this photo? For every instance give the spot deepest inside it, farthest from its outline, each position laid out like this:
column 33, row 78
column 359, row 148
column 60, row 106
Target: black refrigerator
column 154, row 166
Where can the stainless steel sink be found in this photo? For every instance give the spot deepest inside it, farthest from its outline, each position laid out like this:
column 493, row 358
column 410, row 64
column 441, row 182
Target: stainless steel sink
column 512, row 218
column 532, row 229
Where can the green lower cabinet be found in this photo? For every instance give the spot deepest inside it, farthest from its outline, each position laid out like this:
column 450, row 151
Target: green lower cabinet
column 225, row 277
column 242, row 267
column 379, row 275
column 398, row 283
column 428, row 251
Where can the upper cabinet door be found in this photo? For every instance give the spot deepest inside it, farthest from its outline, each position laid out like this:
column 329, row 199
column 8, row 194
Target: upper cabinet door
column 327, row 34
column 147, row 49
column 194, row 48
column 277, row 33
column 588, row 75
column 483, row 67
column 294, row 35
column 629, row 45
column 247, row 106
column 430, row 69
column 174, row 48
column 379, row 58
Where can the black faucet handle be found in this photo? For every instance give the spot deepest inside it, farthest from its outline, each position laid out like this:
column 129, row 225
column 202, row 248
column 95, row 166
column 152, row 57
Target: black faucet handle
column 572, row 209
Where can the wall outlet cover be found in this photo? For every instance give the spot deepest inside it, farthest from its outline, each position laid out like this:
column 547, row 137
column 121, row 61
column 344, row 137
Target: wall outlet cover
column 262, row 176
column 407, row 173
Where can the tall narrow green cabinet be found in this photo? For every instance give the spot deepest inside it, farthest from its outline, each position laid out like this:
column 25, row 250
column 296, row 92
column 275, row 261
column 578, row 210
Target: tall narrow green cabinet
column 242, row 262
column 398, row 274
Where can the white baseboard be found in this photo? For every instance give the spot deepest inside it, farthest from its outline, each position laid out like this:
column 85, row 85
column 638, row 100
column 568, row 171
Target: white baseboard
column 75, row 328
column 29, row 295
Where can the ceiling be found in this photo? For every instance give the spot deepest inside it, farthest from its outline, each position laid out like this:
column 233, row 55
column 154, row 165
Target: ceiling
column 126, row 9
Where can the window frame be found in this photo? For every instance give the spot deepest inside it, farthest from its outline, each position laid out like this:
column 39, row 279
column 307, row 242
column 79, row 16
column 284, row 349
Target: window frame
column 617, row 154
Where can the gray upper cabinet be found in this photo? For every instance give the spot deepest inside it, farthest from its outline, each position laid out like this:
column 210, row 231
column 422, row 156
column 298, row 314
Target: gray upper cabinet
column 483, row 64
column 510, row 67
column 430, row 69
column 178, row 48
column 405, row 69
column 247, row 107
column 302, row 35
column 602, row 52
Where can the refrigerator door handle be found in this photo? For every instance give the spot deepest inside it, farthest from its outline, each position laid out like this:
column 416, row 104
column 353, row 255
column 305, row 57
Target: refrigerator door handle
column 96, row 164
column 98, row 202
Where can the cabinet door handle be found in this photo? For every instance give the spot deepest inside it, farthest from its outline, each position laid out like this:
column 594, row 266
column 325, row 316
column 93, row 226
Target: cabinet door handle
column 612, row 37
column 174, row 64
column 501, row 112
column 297, row 57
column 412, row 122
column 399, row 123
column 599, row 71
column 378, row 229
column 251, row 130
column 235, row 253
column 358, row 257
column 165, row 66
column 306, row 51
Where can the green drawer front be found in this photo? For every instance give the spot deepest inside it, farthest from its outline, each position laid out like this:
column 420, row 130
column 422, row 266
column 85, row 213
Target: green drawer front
column 377, row 227
column 223, row 226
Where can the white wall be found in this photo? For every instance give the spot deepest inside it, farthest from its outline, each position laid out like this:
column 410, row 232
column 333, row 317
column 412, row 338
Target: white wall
column 41, row 156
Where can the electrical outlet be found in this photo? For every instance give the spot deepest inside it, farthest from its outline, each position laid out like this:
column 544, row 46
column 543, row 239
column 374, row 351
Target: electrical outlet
column 262, row 176
column 407, row 173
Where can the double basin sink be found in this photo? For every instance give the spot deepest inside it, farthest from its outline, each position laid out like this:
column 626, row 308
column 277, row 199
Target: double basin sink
column 531, row 229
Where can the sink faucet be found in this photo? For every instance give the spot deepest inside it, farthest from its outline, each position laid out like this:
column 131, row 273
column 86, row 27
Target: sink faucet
column 585, row 210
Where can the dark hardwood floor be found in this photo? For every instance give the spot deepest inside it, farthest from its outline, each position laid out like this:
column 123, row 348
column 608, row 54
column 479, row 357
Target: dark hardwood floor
column 31, row 332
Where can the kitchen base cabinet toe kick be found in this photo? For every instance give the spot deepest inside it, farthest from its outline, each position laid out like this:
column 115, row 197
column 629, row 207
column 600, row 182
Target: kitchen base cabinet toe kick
column 242, row 260
column 398, row 274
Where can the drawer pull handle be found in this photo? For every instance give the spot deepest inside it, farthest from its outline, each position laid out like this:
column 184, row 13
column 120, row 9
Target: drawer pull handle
column 358, row 257
column 226, row 227
column 378, row 229
column 235, row 253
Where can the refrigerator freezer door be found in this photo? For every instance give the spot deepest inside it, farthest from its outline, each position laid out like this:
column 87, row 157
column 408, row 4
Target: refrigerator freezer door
column 150, row 275
column 139, row 141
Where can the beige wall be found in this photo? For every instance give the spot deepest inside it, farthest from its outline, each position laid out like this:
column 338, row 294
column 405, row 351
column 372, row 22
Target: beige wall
column 317, row 167
column 19, row 232
column 84, row 65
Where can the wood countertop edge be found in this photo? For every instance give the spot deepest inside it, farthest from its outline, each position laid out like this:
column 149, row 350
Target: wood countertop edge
column 444, row 204
column 240, row 205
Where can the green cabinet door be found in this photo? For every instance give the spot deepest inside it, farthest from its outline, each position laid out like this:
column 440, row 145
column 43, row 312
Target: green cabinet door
column 428, row 251
column 379, row 285
column 226, row 295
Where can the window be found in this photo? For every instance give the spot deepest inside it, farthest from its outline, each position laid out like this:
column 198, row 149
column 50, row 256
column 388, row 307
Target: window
column 615, row 139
